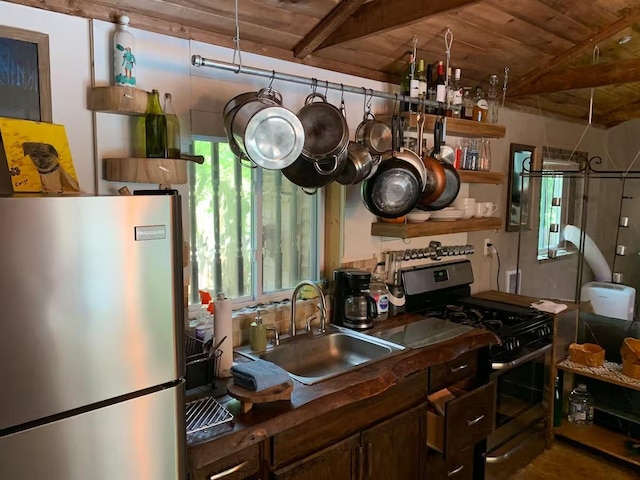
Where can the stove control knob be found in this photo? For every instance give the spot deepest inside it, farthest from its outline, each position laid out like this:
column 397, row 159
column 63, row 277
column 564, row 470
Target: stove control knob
column 510, row 344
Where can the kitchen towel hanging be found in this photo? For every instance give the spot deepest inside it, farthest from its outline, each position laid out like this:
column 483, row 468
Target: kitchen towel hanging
column 222, row 328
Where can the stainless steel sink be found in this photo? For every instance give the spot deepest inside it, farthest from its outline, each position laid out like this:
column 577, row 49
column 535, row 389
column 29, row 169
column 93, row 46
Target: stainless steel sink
column 312, row 359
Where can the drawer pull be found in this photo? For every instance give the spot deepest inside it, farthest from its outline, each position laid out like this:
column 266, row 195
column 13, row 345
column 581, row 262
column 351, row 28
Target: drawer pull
column 475, row 420
column 229, row 471
column 458, row 369
column 457, row 470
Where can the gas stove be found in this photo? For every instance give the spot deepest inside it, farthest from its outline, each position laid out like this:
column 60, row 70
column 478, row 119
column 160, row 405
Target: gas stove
column 442, row 291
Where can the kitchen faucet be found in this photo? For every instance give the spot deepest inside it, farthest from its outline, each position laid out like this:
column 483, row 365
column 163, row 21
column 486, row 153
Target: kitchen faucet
column 322, row 305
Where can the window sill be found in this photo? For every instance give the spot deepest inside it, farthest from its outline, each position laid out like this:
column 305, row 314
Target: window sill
column 560, row 255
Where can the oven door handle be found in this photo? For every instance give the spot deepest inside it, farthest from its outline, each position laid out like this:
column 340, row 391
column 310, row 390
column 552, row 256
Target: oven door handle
column 505, row 456
column 520, row 360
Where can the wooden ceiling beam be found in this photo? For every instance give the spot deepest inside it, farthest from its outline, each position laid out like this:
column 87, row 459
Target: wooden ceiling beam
column 629, row 18
column 382, row 15
column 598, row 75
column 619, row 115
column 326, row 27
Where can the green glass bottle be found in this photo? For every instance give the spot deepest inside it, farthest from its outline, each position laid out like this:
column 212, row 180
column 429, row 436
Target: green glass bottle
column 173, row 128
column 155, row 128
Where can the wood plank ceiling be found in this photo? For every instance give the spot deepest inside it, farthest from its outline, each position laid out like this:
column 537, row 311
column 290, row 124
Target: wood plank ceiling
column 549, row 46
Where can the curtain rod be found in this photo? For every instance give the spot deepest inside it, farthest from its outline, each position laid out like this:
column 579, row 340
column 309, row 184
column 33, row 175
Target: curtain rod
column 199, row 61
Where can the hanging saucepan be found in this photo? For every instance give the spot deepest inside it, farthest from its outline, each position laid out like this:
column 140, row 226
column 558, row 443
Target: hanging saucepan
column 374, row 134
column 437, row 178
column 359, row 165
column 452, row 179
column 227, row 117
column 326, row 133
column 312, row 176
column 396, row 186
column 267, row 133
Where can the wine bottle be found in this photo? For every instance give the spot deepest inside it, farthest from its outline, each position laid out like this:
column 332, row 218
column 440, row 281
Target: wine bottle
column 173, row 128
column 456, row 108
column 441, row 89
column 431, row 88
column 422, row 80
column 405, row 85
column 124, row 60
column 155, row 126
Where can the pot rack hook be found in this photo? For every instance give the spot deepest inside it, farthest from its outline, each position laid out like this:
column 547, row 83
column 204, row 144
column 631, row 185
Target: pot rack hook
column 326, row 88
column 314, row 85
column 395, row 104
column 370, row 99
column 273, row 76
column 343, row 107
column 236, row 42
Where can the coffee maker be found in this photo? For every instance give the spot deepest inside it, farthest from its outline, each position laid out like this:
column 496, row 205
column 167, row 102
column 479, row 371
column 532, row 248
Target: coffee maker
column 353, row 306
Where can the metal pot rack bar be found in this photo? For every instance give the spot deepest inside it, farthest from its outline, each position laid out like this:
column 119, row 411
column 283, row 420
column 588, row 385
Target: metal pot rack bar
column 199, row 61
column 587, row 169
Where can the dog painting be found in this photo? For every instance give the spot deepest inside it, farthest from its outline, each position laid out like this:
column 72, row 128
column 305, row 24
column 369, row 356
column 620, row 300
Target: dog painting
column 53, row 176
column 37, row 157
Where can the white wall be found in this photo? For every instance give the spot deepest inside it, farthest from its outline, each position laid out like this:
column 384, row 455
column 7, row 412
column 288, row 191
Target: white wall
column 69, row 56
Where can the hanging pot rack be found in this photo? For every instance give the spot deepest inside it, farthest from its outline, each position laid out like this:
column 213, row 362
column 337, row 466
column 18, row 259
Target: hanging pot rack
column 199, row 61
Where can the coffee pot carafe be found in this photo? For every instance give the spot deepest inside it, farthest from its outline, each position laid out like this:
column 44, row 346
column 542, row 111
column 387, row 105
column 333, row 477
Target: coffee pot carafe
column 354, row 307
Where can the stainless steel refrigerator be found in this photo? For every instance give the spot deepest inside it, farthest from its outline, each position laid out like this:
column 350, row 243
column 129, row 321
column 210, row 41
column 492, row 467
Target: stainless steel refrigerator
column 91, row 319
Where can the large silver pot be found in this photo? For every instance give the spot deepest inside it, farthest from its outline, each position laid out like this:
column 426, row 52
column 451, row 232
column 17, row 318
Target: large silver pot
column 268, row 134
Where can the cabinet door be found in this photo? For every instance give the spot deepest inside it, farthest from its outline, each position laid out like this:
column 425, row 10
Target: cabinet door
column 395, row 448
column 337, row 462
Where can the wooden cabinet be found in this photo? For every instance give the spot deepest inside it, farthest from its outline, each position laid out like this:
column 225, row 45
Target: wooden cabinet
column 243, row 465
column 393, row 448
column 341, row 461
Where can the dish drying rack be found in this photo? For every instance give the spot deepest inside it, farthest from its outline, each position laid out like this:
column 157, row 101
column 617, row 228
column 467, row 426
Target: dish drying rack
column 206, row 413
column 202, row 364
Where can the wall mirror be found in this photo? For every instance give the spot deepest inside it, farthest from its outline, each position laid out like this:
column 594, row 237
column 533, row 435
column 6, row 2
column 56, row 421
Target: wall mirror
column 519, row 187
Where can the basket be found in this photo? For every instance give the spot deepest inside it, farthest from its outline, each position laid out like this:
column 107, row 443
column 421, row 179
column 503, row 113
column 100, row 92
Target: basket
column 588, row 354
column 630, row 352
column 202, row 366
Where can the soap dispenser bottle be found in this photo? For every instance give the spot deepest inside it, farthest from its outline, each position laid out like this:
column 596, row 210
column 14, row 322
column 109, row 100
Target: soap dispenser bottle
column 258, row 335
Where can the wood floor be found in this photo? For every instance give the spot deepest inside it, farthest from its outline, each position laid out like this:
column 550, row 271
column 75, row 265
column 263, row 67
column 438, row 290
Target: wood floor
column 564, row 461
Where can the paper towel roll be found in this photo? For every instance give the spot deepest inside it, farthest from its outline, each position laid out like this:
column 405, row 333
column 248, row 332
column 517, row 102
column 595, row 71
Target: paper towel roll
column 221, row 328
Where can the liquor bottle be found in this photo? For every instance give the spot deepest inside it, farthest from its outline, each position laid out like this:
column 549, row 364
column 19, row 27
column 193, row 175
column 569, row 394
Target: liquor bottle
column 457, row 95
column 124, row 60
column 557, row 403
column 405, row 85
column 155, row 127
column 173, row 128
column 431, row 88
column 422, row 80
column 480, row 106
column 441, row 89
column 492, row 100
column 467, row 104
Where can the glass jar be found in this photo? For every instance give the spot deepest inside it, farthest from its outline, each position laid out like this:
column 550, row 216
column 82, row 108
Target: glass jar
column 380, row 293
column 581, row 406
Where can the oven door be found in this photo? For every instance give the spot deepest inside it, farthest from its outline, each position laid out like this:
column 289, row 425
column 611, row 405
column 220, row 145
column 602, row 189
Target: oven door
column 521, row 397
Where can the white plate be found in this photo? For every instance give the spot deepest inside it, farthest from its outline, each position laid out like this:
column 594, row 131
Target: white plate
column 418, row 217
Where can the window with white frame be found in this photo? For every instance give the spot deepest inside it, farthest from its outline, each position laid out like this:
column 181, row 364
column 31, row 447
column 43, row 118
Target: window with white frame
column 254, row 233
column 560, row 200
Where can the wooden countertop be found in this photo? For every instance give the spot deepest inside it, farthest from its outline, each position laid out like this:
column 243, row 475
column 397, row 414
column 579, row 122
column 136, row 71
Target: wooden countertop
column 523, row 300
column 310, row 401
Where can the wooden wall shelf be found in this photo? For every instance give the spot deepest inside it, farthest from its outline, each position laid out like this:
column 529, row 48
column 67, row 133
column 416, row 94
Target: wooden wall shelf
column 123, row 100
column 602, row 439
column 458, row 127
column 471, row 176
column 146, row 170
column 434, row 227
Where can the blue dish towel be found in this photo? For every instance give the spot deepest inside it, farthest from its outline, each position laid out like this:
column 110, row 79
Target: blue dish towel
column 258, row 375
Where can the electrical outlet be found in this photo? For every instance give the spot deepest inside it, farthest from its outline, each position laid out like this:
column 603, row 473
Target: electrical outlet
column 487, row 241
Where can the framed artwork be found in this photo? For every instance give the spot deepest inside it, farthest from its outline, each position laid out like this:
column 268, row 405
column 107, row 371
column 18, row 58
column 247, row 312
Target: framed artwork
column 25, row 82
